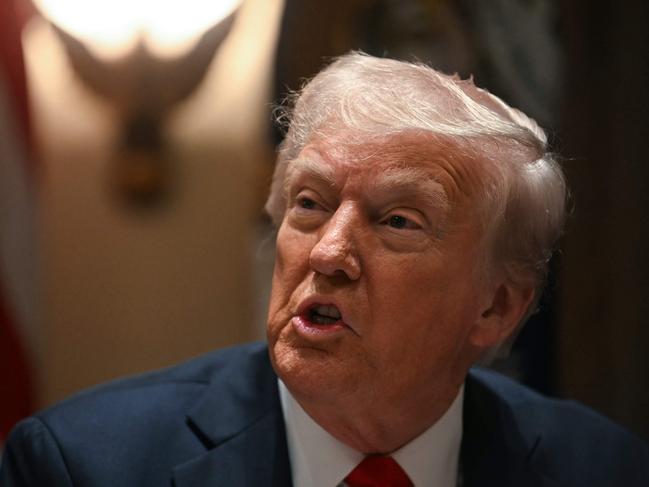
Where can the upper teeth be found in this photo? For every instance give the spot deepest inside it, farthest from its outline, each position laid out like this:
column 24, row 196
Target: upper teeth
column 329, row 311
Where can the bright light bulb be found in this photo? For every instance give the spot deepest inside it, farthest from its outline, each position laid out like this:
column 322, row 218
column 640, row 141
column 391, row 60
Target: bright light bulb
column 101, row 25
column 111, row 28
column 173, row 27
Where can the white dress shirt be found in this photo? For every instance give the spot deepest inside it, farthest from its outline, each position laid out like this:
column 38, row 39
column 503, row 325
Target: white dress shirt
column 320, row 460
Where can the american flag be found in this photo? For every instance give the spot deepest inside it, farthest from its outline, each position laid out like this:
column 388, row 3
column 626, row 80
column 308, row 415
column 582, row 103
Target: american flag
column 18, row 308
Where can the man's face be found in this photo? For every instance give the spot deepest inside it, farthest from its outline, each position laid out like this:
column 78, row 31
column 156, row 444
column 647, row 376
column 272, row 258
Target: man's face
column 377, row 283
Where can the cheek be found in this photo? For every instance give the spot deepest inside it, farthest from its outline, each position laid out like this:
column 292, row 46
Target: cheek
column 291, row 257
column 403, row 303
column 422, row 307
column 291, row 268
column 405, row 286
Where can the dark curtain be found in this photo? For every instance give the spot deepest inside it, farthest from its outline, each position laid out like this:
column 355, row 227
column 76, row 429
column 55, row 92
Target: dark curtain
column 603, row 329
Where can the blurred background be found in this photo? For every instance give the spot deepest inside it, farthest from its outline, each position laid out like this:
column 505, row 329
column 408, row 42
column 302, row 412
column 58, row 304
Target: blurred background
column 137, row 144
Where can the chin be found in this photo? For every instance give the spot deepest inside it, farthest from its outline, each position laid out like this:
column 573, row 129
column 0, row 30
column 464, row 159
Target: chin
column 310, row 372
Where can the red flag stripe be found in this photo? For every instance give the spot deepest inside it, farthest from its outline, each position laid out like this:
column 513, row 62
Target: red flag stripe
column 15, row 377
column 11, row 58
column 16, row 393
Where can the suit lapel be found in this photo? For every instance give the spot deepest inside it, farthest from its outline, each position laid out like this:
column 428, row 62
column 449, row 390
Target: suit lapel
column 496, row 451
column 254, row 457
column 239, row 421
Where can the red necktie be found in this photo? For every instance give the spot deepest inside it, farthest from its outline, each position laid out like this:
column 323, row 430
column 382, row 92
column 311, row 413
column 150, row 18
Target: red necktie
column 378, row 471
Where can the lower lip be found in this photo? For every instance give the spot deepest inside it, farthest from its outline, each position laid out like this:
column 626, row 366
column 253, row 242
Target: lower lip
column 314, row 331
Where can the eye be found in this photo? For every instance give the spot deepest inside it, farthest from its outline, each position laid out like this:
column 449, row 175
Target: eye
column 306, row 203
column 400, row 222
column 397, row 221
column 307, row 211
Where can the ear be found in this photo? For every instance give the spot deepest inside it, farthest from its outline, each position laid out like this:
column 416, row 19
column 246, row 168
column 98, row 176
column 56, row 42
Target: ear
column 502, row 313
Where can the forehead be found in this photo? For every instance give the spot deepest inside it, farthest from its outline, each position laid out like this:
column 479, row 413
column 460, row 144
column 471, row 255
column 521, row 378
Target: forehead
column 391, row 162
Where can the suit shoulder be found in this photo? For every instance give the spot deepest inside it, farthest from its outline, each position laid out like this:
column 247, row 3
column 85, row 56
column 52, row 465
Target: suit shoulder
column 544, row 412
column 154, row 401
column 32, row 457
column 566, row 435
column 132, row 428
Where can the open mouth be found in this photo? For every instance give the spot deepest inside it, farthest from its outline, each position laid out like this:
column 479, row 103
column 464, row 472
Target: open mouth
column 323, row 314
column 318, row 322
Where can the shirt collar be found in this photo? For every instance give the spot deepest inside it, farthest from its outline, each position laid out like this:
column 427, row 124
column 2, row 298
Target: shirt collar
column 320, row 460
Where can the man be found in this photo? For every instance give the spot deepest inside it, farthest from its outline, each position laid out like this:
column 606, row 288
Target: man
column 416, row 217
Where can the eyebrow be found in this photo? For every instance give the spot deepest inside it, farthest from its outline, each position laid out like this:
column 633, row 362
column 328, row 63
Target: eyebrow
column 404, row 182
column 413, row 182
column 309, row 167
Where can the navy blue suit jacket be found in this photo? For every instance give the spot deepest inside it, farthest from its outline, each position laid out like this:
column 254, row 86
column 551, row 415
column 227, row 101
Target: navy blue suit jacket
column 217, row 421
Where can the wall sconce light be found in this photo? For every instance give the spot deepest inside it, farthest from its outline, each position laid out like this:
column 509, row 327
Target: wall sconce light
column 144, row 56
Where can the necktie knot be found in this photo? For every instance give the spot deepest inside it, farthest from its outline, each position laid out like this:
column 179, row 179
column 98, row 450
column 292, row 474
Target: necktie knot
column 378, row 471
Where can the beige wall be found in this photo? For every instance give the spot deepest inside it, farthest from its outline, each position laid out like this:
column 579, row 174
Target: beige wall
column 125, row 291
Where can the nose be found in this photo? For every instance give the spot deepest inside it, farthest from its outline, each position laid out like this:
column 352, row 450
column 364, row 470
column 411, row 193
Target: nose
column 336, row 250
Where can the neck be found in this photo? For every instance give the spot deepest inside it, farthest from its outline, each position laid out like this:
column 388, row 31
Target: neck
column 374, row 427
